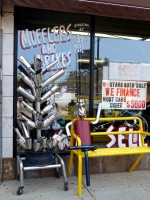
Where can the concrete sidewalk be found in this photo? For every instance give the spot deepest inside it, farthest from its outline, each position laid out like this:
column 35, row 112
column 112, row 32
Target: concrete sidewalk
column 113, row 186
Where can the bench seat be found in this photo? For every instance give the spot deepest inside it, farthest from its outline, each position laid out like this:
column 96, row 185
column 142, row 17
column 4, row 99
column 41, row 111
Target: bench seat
column 115, row 151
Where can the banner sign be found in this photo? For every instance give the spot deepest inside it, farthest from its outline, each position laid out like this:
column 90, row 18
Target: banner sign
column 129, row 71
column 124, row 95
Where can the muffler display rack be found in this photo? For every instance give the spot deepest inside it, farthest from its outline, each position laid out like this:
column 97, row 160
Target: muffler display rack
column 31, row 115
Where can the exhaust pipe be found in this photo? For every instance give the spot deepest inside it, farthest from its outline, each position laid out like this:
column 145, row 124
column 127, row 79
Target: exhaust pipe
column 48, row 67
column 26, row 64
column 28, row 122
column 48, row 121
column 20, row 139
column 49, row 93
column 52, row 79
column 22, row 91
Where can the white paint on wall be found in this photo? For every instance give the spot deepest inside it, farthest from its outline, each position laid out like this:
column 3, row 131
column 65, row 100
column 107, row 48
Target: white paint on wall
column 7, row 146
column 7, row 24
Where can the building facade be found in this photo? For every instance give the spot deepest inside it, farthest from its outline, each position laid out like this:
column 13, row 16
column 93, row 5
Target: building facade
column 90, row 40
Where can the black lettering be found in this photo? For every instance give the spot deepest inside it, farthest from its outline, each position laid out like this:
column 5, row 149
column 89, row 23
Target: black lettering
column 115, row 105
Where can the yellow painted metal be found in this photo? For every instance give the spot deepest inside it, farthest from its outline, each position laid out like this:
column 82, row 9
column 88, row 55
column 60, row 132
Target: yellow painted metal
column 100, row 152
column 136, row 163
column 79, row 175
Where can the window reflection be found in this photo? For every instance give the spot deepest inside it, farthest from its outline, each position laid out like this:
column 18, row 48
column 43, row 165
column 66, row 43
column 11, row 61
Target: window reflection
column 119, row 51
column 66, row 41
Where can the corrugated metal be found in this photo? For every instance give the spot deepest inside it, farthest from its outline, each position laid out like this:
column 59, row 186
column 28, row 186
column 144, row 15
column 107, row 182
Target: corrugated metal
column 129, row 9
column 1, row 36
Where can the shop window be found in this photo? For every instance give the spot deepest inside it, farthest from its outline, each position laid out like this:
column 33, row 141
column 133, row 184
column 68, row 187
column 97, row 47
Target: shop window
column 121, row 56
column 66, row 37
column 56, row 36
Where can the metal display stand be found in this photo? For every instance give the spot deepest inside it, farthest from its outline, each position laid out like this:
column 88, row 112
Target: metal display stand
column 36, row 109
column 21, row 169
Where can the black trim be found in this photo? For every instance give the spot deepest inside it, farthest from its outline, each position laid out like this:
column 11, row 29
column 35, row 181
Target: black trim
column 91, row 88
column 15, row 80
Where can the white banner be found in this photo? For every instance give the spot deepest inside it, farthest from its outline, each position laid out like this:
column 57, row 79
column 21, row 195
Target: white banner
column 129, row 71
column 124, row 95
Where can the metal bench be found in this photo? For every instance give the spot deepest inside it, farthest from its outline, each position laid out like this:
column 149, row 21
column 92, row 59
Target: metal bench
column 103, row 151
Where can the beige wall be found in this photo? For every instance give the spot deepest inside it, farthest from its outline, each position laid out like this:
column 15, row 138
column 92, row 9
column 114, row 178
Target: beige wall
column 7, row 24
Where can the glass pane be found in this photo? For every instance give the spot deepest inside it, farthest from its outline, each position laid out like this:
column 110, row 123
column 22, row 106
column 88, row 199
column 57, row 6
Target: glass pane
column 55, row 36
column 121, row 54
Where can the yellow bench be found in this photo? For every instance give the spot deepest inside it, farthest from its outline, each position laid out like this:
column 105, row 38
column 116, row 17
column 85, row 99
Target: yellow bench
column 103, row 151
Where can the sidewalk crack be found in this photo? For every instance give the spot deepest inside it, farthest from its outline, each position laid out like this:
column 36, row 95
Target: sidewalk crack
column 93, row 197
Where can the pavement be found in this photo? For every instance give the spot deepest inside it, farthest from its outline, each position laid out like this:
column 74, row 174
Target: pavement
column 110, row 186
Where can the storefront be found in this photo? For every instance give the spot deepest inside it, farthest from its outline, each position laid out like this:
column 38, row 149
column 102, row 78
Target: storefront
column 92, row 41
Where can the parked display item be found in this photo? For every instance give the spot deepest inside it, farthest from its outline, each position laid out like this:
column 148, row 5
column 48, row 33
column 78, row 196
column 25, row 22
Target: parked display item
column 35, row 101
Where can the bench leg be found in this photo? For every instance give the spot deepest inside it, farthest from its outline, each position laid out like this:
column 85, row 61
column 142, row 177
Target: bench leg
column 87, row 169
column 70, row 163
column 135, row 163
column 79, row 176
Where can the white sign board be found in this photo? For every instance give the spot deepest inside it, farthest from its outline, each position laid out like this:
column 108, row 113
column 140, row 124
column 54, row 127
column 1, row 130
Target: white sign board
column 129, row 71
column 124, row 95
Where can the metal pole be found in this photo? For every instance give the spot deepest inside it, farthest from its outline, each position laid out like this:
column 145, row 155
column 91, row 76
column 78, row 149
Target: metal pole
column 91, row 88
column 97, row 74
column 87, row 168
column 21, row 171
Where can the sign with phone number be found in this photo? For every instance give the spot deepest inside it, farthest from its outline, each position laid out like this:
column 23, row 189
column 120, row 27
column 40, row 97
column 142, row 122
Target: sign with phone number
column 124, row 95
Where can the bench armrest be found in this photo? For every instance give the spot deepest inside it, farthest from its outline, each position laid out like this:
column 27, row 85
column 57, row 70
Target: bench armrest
column 77, row 138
